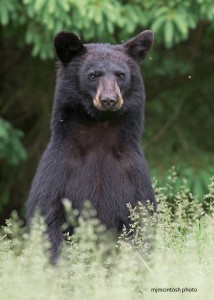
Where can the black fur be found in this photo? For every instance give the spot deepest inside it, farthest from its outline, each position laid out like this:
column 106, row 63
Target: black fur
column 94, row 154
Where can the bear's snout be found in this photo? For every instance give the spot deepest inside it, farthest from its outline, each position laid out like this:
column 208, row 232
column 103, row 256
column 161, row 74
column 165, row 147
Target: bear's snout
column 108, row 96
column 108, row 103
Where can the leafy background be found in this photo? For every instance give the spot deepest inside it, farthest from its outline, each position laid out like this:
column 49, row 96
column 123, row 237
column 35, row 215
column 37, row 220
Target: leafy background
column 178, row 75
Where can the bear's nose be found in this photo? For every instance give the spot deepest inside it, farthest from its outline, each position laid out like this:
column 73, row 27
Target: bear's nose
column 108, row 103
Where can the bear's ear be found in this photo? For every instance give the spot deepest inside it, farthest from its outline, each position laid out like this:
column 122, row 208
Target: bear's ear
column 67, row 45
column 138, row 46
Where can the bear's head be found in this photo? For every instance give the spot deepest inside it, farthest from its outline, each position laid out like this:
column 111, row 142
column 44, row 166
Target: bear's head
column 100, row 78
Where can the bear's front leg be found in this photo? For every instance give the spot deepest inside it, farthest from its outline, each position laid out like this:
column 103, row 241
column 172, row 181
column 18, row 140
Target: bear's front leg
column 46, row 196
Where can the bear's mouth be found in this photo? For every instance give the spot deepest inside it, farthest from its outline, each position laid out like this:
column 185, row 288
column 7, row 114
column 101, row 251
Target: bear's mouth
column 108, row 104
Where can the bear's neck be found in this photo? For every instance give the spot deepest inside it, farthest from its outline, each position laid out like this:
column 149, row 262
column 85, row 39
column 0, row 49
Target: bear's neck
column 81, row 127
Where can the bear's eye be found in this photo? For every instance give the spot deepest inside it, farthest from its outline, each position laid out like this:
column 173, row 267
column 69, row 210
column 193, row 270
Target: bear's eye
column 92, row 76
column 121, row 75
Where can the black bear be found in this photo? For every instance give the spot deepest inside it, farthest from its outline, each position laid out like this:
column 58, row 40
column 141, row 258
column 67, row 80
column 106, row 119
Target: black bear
column 97, row 121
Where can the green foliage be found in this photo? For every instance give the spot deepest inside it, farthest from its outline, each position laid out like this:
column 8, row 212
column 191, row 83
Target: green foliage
column 12, row 153
column 178, row 77
column 196, row 182
column 93, row 266
column 7, row 8
column 11, row 149
column 171, row 21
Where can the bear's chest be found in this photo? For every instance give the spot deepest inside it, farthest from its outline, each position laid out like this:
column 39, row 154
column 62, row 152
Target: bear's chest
column 101, row 168
column 96, row 142
column 104, row 180
column 99, row 153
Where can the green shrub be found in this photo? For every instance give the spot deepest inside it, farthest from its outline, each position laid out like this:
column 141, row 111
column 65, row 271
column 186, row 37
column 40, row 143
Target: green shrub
column 93, row 266
column 11, row 149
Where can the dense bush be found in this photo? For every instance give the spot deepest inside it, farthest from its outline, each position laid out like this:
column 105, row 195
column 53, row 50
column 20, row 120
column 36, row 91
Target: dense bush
column 178, row 78
column 93, row 266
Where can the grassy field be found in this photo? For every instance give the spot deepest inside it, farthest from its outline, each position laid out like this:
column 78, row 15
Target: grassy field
column 167, row 256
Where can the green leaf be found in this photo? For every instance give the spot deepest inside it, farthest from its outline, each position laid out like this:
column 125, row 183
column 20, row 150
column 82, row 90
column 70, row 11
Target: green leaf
column 162, row 11
column 39, row 4
column 52, row 5
column 182, row 25
column 158, row 24
column 168, row 33
column 4, row 15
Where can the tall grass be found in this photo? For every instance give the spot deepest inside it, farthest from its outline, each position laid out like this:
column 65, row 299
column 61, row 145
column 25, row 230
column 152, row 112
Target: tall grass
column 168, row 255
